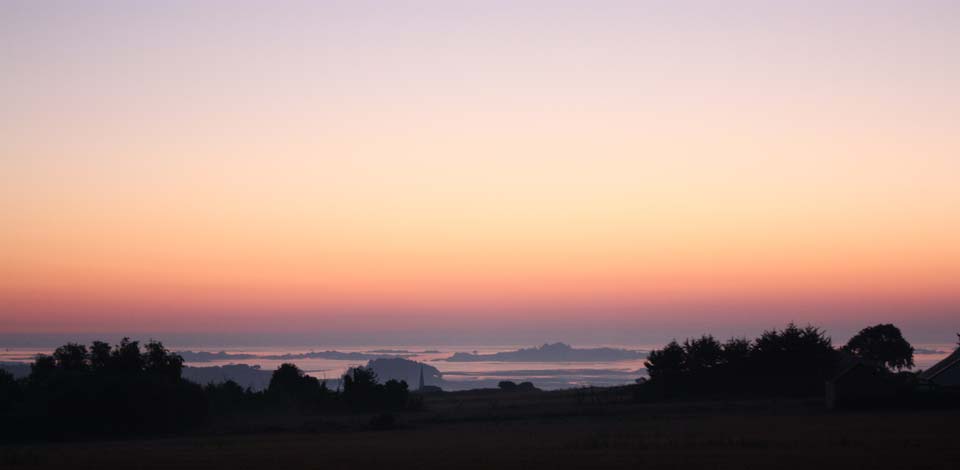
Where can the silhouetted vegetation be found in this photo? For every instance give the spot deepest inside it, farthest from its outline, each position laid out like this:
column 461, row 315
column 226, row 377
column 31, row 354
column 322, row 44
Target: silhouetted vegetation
column 9, row 391
column 362, row 391
column 126, row 389
column 508, row 386
column 290, row 385
column 84, row 391
column 793, row 361
column 103, row 390
column 229, row 397
column 883, row 345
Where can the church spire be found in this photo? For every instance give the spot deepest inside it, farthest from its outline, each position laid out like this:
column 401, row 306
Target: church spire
column 420, row 386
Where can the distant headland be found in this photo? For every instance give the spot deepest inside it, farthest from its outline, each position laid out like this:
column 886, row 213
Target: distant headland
column 551, row 352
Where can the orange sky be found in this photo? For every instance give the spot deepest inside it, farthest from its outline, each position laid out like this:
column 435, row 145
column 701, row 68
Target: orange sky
column 189, row 167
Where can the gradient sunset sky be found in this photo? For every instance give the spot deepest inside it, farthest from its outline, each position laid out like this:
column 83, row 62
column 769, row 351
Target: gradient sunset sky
column 589, row 171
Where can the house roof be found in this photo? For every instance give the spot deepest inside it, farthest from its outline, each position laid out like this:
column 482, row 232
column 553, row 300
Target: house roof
column 847, row 362
column 855, row 365
column 947, row 363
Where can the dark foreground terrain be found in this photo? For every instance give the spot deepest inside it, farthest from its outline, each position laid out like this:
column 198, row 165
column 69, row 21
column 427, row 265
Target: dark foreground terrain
column 567, row 429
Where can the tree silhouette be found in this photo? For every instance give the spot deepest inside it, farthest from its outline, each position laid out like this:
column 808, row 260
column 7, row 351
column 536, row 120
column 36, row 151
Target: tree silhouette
column 702, row 353
column 290, row 385
column 9, row 390
column 667, row 362
column 99, row 355
column 360, row 386
column 792, row 361
column 161, row 362
column 71, row 356
column 42, row 368
column 736, row 353
column 882, row 344
column 285, row 379
column 395, row 394
column 526, row 387
column 103, row 390
column 361, row 390
column 126, row 357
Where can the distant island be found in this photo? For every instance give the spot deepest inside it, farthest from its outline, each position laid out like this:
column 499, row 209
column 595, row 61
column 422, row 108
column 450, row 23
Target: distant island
column 408, row 371
column 555, row 352
column 205, row 356
column 929, row 351
column 403, row 351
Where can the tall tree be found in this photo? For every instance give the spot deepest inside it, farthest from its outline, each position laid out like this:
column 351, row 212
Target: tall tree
column 882, row 344
column 667, row 362
column 160, row 361
column 99, row 355
column 793, row 361
column 126, row 356
column 702, row 353
column 71, row 356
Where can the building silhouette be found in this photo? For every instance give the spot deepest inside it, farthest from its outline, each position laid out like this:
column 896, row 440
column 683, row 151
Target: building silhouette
column 420, row 383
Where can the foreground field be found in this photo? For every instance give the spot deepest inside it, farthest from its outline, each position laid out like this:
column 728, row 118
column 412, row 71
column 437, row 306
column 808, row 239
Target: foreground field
column 555, row 430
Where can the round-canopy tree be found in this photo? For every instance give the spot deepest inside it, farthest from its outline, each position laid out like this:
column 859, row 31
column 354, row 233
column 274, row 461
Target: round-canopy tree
column 883, row 344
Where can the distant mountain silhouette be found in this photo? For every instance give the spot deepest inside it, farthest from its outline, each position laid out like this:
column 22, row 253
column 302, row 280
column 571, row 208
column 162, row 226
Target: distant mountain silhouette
column 555, row 352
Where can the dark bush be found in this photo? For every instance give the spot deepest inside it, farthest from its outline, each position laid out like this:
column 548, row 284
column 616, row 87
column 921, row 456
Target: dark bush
column 10, row 392
column 289, row 385
column 507, row 386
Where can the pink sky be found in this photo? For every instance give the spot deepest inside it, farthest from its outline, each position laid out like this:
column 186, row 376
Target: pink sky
column 590, row 167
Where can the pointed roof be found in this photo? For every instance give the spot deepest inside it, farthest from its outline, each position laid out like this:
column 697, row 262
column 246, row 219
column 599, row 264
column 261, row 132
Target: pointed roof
column 856, row 365
column 420, row 387
column 946, row 364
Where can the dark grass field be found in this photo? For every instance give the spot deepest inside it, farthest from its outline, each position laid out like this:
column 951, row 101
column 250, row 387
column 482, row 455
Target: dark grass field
column 540, row 430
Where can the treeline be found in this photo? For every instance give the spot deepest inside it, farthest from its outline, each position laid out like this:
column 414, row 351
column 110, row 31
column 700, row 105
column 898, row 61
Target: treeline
column 791, row 362
column 124, row 389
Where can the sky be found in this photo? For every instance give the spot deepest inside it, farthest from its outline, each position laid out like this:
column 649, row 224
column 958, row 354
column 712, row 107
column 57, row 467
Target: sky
column 494, row 171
